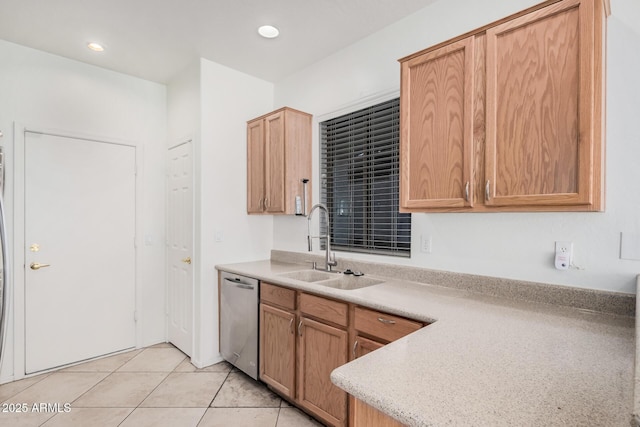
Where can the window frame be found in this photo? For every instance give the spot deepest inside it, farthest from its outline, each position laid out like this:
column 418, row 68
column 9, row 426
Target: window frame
column 396, row 237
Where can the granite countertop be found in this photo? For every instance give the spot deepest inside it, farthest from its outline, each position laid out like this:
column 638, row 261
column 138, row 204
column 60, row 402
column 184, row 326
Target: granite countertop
column 484, row 360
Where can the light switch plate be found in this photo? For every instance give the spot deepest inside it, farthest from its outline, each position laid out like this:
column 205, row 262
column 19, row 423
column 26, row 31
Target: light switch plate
column 425, row 244
column 630, row 246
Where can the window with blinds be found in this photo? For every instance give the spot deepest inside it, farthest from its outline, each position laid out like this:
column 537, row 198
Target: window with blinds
column 359, row 165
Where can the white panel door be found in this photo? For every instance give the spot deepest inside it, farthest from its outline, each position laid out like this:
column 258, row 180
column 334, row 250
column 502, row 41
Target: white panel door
column 80, row 227
column 180, row 247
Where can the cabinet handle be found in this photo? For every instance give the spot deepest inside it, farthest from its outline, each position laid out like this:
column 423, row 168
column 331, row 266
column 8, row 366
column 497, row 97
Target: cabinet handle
column 266, row 203
column 291, row 325
column 355, row 345
column 260, row 204
column 466, row 191
column 386, row 321
column 300, row 328
column 487, row 191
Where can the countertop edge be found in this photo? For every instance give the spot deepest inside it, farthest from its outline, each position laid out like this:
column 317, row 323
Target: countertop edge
column 345, row 377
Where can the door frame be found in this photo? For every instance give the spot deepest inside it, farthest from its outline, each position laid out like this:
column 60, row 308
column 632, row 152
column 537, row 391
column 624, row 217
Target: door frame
column 195, row 257
column 19, row 244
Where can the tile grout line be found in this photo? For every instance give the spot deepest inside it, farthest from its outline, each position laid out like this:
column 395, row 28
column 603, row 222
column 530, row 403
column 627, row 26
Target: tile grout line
column 220, row 388
column 110, row 373
column 26, row 388
column 226, row 376
column 154, row 389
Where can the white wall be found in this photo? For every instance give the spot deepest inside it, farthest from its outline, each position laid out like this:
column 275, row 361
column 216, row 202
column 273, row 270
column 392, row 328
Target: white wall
column 228, row 99
column 512, row 245
column 47, row 91
column 183, row 106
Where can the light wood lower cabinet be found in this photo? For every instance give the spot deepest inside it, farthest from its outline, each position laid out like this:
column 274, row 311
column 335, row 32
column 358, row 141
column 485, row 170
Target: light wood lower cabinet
column 278, row 349
column 322, row 349
column 368, row 416
column 363, row 346
column 373, row 330
column 304, row 337
column 382, row 326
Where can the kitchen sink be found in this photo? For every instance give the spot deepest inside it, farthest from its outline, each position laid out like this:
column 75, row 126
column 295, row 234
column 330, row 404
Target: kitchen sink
column 332, row 280
column 309, row 275
column 350, row 282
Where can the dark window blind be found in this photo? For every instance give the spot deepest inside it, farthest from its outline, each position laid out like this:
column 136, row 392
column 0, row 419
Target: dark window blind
column 359, row 161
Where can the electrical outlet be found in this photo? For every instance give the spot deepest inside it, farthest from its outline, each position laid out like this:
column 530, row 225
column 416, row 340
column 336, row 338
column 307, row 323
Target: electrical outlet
column 425, row 244
column 564, row 255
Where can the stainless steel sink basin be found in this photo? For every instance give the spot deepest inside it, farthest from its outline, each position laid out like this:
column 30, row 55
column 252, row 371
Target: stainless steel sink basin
column 332, row 280
column 310, row 275
column 351, row 282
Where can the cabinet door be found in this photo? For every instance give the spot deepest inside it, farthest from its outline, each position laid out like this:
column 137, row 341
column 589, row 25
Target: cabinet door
column 255, row 166
column 322, row 349
column 277, row 349
column 539, row 146
column 436, row 119
column 368, row 416
column 364, row 346
column 275, row 163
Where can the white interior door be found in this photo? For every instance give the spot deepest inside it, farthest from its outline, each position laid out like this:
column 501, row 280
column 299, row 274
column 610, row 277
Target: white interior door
column 80, row 228
column 180, row 247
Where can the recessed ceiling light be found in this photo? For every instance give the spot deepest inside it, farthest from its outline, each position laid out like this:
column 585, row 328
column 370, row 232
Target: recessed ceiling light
column 268, row 31
column 96, row 47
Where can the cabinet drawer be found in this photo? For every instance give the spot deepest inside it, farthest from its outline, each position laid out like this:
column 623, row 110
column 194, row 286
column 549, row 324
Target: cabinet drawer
column 278, row 295
column 325, row 309
column 384, row 326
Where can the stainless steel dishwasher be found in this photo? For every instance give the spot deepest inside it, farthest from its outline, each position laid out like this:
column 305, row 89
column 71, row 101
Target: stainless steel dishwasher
column 239, row 322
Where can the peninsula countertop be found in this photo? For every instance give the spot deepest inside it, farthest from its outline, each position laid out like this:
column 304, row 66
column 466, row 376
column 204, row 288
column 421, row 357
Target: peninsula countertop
column 483, row 360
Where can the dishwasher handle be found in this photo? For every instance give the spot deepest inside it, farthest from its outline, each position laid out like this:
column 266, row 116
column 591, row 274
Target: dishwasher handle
column 237, row 283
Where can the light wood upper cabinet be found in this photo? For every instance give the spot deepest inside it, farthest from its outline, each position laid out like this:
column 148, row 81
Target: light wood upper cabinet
column 278, row 158
column 437, row 128
column 533, row 94
column 275, row 163
column 255, row 166
column 540, row 95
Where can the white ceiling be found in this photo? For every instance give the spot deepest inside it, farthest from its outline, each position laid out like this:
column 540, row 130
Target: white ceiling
column 156, row 39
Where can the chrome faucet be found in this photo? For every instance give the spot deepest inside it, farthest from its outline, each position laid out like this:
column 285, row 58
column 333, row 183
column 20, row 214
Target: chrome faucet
column 330, row 260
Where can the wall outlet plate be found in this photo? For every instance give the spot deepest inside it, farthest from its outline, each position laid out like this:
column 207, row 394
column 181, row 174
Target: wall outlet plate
column 564, row 255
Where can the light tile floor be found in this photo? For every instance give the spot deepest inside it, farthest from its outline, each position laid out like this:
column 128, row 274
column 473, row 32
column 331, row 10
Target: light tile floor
column 156, row 386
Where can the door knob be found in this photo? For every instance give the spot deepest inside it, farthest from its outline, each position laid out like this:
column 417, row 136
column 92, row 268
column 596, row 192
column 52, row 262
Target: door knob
column 37, row 266
column 187, row 260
